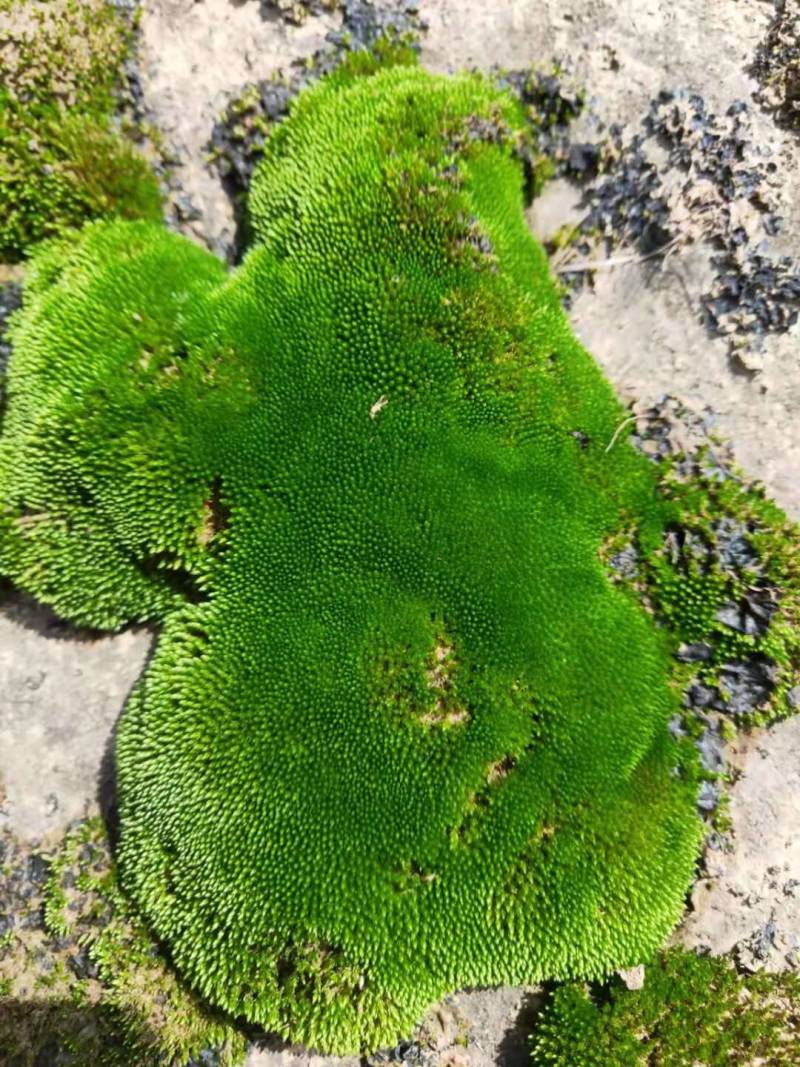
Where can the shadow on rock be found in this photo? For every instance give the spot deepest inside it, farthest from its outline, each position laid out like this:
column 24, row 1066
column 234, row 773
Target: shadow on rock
column 515, row 1048
column 54, row 1033
column 29, row 613
column 107, row 788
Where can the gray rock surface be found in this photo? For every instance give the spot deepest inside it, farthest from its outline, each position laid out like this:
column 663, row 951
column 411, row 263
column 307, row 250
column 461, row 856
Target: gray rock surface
column 61, row 693
column 748, row 899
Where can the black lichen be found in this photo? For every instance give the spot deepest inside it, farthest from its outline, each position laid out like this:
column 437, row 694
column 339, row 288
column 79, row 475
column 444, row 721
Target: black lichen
column 716, row 185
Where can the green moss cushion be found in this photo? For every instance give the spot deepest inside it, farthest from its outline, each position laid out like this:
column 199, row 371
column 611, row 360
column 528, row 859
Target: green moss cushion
column 400, row 734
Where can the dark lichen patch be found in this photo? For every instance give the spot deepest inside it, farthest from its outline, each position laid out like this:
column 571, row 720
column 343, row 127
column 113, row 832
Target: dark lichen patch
column 717, row 185
column 777, row 66
column 624, row 202
column 295, row 12
column 10, row 301
column 362, row 20
column 365, row 23
column 690, row 1009
column 238, row 138
column 551, row 103
column 81, row 979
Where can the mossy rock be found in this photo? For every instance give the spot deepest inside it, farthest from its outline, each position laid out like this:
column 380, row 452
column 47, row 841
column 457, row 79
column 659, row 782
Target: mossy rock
column 82, row 981
column 401, row 733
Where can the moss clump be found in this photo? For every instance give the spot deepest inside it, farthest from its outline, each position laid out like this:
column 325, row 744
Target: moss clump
column 725, row 580
column 401, row 733
column 61, row 162
column 81, row 979
column 777, row 66
column 692, row 1011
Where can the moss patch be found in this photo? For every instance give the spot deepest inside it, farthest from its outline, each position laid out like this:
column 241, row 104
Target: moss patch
column 691, row 1011
column 61, row 161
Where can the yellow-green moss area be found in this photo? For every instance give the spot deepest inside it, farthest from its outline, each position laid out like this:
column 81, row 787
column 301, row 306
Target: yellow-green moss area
column 402, row 733
column 82, row 982
column 692, row 1011
column 61, row 161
